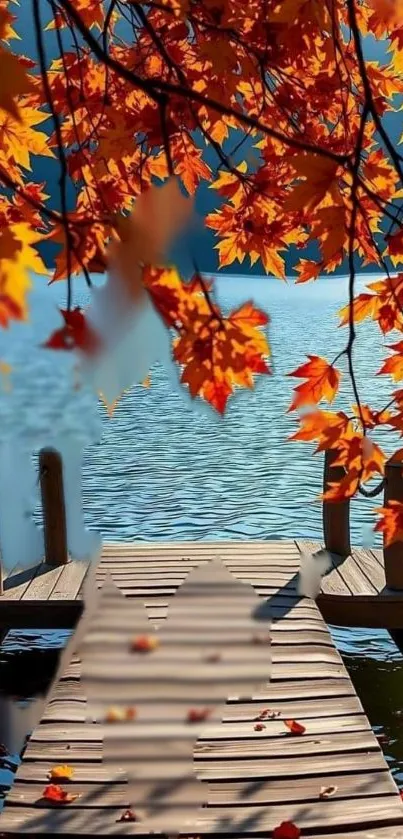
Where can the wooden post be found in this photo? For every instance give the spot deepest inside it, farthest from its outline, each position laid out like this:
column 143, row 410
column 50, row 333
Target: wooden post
column 336, row 515
column 54, row 516
column 393, row 554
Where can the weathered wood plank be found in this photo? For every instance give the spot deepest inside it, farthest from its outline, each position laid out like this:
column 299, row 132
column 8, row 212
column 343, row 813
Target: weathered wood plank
column 333, row 583
column 70, row 581
column 231, row 731
column 17, row 583
column 265, row 768
column 74, row 710
column 372, row 569
column 383, row 810
column 302, row 689
column 42, row 585
column 288, row 746
column 269, row 792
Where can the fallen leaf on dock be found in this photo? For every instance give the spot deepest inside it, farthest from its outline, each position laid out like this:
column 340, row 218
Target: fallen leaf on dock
column 295, row 727
column 117, row 714
column 261, row 638
column 212, row 658
column 268, row 714
column 61, row 772
column 327, row 792
column 58, row 795
column 127, row 816
column 197, row 714
column 144, row 643
column 259, row 726
column 286, row 830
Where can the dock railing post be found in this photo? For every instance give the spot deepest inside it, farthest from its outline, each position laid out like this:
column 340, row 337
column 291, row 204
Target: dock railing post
column 393, row 554
column 54, row 514
column 336, row 515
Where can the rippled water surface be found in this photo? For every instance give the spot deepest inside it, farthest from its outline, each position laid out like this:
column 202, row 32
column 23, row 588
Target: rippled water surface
column 167, row 470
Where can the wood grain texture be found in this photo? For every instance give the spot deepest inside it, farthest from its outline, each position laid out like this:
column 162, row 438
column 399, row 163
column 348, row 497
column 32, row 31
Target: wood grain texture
column 254, row 779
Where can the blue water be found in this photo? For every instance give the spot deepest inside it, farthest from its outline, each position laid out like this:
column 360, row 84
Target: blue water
column 165, row 470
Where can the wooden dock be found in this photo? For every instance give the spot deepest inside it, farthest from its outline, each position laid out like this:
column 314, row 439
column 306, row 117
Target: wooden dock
column 255, row 779
column 353, row 592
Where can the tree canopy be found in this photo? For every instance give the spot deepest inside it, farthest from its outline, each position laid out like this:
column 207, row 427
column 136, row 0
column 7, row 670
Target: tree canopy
column 282, row 93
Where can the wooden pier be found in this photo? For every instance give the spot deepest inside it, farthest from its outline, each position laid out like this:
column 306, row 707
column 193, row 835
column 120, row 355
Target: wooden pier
column 254, row 779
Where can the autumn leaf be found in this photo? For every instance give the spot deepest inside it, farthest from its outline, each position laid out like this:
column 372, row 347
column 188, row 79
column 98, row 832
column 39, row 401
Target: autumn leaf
column 197, row 714
column 61, row 772
column 19, row 138
column 393, row 366
column 57, row 795
column 259, row 726
column 286, row 830
column 18, row 258
column 322, row 382
column 391, row 522
column 128, row 816
column 14, row 81
column 268, row 714
column 144, row 643
column 117, row 714
column 327, row 792
column 319, row 180
column 295, row 727
column 75, row 334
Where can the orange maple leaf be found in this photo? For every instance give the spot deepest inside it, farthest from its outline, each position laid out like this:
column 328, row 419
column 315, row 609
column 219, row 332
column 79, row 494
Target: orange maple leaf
column 322, row 382
column 391, row 522
column 320, row 180
column 14, row 81
column 393, row 366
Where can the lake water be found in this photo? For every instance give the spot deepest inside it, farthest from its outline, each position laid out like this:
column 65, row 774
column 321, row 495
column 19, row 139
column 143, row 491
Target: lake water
column 167, row 470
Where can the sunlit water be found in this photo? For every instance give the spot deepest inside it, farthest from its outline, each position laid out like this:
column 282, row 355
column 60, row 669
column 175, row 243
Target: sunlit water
column 165, row 470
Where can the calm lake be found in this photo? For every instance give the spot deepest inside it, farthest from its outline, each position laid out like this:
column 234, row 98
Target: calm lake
column 166, row 469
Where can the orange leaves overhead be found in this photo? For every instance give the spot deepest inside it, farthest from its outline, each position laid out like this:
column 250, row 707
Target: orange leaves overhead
column 76, row 333
column 393, row 366
column 383, row 306
column 319, row 174
column 322, row 382
column 217, row 353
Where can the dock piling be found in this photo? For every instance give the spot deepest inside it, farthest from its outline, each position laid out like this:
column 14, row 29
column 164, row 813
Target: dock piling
column 54, row 514
column 336, row 515
column 393, row 554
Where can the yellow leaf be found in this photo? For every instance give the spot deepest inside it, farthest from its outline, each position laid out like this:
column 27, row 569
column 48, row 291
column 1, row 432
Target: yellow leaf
column 18, row 259
column 19, row 139
column 62, row 771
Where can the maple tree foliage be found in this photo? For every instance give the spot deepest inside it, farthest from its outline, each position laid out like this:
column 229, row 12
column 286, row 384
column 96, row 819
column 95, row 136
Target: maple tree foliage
column 134, row 96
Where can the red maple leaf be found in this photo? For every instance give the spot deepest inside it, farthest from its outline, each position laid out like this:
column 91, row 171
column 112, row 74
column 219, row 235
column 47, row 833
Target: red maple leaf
column 75, row 334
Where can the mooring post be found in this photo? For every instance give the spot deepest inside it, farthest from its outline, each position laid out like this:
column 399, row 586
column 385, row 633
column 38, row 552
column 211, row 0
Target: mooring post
column 54, row 514
column 393, row 554
column 336, row 514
